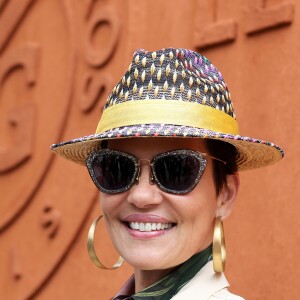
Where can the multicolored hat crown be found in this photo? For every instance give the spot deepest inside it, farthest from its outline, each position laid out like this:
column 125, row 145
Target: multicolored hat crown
column 171, row 93
column 165, row 84
column 173, row 74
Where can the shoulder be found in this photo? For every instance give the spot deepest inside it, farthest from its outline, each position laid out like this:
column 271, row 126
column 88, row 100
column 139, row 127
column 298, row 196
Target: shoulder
column 206, row 284
column 224, row 294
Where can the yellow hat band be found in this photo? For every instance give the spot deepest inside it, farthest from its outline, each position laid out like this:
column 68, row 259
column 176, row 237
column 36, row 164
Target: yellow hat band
column 173, row 112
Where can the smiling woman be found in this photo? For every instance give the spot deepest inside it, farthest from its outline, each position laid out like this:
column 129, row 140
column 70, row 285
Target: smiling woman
column 166, row 157
column 189, row 217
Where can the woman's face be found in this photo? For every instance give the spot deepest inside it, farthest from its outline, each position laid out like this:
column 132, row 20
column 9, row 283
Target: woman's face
column 191, row 215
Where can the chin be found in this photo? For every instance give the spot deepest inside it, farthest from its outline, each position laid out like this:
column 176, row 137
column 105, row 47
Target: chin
column 148, row 266
column 148, row 262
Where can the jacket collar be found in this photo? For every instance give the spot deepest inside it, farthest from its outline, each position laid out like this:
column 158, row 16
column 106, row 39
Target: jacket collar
column 203, row 285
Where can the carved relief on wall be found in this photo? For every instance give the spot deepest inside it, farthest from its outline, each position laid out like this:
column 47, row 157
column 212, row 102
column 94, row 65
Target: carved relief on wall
column 259, row 16
column 58, row 61
column 210, row 29
column 38, row 62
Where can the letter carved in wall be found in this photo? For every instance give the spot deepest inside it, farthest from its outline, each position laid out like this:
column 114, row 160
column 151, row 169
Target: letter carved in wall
column 96, row 85
column 261, row 17
column 210, row 30
column 21, row 117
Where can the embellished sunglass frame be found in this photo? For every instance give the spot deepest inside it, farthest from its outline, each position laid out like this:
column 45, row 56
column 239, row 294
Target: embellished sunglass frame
column 96, row 154
column 202, row 165
column 154, row 178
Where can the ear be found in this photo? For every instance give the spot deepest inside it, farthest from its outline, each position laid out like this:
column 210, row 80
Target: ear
column 227, row 196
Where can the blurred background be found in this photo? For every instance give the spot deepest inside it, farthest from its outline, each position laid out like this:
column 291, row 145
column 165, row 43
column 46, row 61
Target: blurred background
column 59, row 59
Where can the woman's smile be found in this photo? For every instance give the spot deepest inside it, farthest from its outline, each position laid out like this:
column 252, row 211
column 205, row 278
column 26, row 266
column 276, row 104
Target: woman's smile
column 147, row 226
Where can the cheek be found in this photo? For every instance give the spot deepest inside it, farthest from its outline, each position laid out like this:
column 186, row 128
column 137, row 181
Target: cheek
column 109, row 204
column 199, row 211
column 200, row 206
column 104, row 203
column 203, row 198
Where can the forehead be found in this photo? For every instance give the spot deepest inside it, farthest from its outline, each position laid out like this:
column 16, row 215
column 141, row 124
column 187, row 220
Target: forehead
column 152, row 146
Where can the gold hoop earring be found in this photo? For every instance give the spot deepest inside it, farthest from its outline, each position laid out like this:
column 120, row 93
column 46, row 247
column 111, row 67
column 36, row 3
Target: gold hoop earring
column 219, row 250
column 91, row 249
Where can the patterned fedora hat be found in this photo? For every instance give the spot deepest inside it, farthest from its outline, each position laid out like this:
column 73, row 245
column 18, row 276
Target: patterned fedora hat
column 171, row 93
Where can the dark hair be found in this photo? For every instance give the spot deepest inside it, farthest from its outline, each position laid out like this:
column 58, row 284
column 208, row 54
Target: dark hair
column 227, row 153
column 104, row 144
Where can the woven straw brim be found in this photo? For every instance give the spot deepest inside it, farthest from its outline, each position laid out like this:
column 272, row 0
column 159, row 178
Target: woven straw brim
column 252, row 153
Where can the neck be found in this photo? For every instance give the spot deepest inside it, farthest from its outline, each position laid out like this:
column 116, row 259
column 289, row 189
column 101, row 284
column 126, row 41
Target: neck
column 145, row 278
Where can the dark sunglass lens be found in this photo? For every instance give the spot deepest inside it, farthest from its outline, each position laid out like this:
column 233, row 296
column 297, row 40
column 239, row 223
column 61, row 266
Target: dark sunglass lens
column 177, row 172
column 113, row 172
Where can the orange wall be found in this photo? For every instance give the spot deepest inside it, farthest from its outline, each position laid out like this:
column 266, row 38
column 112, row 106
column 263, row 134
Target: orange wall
column 58, row 61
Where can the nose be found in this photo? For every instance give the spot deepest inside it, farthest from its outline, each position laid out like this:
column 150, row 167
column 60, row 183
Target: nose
column 145, row 194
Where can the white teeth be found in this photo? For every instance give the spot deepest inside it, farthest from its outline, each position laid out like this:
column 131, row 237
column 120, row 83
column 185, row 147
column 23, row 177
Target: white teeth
column 141, row 227
column 149, row 226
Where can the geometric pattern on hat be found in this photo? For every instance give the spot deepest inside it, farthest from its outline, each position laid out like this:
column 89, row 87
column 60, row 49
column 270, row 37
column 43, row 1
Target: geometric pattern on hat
column 172, row 74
